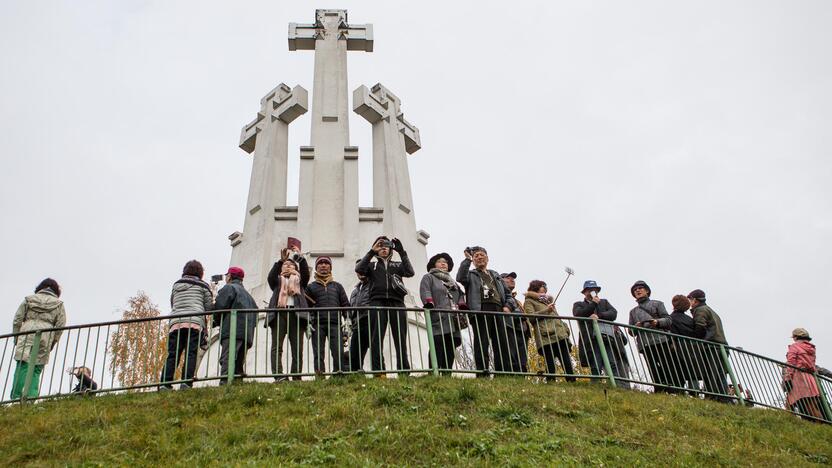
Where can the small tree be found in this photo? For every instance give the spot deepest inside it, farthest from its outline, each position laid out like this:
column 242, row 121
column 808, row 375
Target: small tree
column 138, row 349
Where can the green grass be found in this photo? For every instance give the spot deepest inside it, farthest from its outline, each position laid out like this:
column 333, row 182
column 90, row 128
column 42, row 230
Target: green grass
column 414, row 421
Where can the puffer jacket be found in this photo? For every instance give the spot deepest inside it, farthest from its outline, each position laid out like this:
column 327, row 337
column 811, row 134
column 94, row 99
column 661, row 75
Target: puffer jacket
column 546, row 331
column 708, row 324
column 275, row 283
column 38, row 311
column 360, row 297
column 190, row 295
column 326, row 296
column 380, row 272
column 648, row 309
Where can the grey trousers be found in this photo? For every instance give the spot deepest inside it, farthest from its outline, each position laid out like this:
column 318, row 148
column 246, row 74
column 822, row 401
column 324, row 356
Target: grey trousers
column 239, row 358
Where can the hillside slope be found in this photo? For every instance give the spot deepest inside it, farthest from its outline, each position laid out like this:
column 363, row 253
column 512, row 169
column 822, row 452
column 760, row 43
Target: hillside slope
column 414, row 421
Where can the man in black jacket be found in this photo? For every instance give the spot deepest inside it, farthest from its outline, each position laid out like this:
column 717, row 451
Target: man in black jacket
column 326, row 293
column 233, row 296
column 385, row 276
column 515, row 327
column 361, row 326
column 589, row 353
column 684, row 352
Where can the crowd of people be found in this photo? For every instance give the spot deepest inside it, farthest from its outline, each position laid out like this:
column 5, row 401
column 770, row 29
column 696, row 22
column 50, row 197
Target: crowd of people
column 504, row 327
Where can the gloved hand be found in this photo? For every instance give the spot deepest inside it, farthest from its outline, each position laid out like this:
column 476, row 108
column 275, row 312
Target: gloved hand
column 429, row 305
column 397, row 245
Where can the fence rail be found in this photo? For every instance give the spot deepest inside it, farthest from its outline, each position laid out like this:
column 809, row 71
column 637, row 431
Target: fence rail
column 276, row 344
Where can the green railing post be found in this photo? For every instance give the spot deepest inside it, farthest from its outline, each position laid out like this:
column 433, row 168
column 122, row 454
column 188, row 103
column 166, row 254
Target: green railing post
column 232, row 346
column 827, row 411
column 607, row 368
column 727, row 365
column 434, row 364
column 30, row 370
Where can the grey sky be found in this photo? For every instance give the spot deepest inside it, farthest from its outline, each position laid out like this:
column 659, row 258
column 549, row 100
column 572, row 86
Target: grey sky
column 686, row 145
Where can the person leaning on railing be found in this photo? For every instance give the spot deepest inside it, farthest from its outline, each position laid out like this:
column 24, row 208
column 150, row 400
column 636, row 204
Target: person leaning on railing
column 189, row 295
column 802, row 393
column 651, row 314
column 551, row 335
column 233, row 296
column 40, row 310
column 589, row 353
column 439, row 290
column 288, row 280
column 708, row 327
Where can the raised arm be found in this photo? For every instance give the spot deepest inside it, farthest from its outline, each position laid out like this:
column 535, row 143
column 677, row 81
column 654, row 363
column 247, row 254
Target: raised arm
column 304, row 272
column 462, row 274
column 363, row 266
column 274, row 274
column 607, row 312
column 584, row 308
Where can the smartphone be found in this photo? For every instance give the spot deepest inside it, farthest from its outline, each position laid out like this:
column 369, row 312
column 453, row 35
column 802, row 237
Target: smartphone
column 593, row 293
column 216, row 278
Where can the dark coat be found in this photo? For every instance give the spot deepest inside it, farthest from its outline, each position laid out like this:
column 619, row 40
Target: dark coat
column 380, row 272
column 472, row 281
column 605, row 311
column 327, row 296
column 233, row 296
column 360, row 297
column 708, row 324
column 682, row 324
column 275, row 281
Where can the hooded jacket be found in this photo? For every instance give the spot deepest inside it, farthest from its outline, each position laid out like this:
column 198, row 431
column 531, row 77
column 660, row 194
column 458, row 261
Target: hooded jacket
column 801, row 383
column 38, row 311
column 190, row 295
column 380, row 273
column 360, row 297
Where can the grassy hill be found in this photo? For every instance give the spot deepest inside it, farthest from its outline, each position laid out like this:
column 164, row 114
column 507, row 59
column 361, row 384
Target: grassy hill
column 414, row 421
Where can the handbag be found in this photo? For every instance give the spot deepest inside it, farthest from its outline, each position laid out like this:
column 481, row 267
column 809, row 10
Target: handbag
column 398, row 285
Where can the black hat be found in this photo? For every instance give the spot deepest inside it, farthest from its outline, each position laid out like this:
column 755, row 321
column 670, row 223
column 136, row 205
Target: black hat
column 432, row 261
column 697, row 294
column 506, row 275
column 637, row 284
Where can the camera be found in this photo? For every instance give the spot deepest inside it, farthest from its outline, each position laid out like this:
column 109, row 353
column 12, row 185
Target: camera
column 216, row 278
column 386, row 243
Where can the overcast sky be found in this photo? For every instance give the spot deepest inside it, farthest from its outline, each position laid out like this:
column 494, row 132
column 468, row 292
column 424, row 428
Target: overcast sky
column 685, row 145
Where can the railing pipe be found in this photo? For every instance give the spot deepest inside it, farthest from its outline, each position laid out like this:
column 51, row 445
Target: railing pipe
column 604, row 357
column 727, row 362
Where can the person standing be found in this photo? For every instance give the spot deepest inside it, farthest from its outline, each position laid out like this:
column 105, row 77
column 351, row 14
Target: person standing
column 233, row 296
column 550, row 334
column 388, row 290
column 649, row 315
column 288, row 280
column 589, row 353
column 484, row 292
column 190, row 295
column 708, row 327
column 802, row 393
column 361, row 326
column 687, row 367
column 41, row 310
column 515, row 331
column 325, row 293
column 439, row 290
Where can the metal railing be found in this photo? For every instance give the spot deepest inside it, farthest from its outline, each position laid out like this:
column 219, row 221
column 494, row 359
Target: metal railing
column 278, row 344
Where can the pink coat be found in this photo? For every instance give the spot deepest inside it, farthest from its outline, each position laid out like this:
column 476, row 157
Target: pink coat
column 801, row 354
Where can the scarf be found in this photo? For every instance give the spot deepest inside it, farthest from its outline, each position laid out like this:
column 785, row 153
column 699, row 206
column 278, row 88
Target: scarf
column 290, row 286
column 445, row 277
column 324, row 280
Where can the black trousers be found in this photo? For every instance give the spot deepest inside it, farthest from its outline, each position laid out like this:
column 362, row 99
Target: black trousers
column 327, row 327
column 361, row 341
column 398, row 329
column 558, row 351
column 660, row 364
column 490, row 338
column 445, row 345
column 517, row 348
column 295, row 327
column 714, row 375
column 239, row 358
column 182, row 341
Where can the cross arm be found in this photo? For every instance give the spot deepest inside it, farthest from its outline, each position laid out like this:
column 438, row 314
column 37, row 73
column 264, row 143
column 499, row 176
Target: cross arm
column 281, row 103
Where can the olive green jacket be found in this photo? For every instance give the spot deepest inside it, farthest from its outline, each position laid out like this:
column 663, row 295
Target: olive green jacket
column 546, row 331
column 38, row 311
column 708, row 324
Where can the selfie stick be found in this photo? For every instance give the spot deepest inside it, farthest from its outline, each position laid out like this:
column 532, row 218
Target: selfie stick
column 569, row 272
